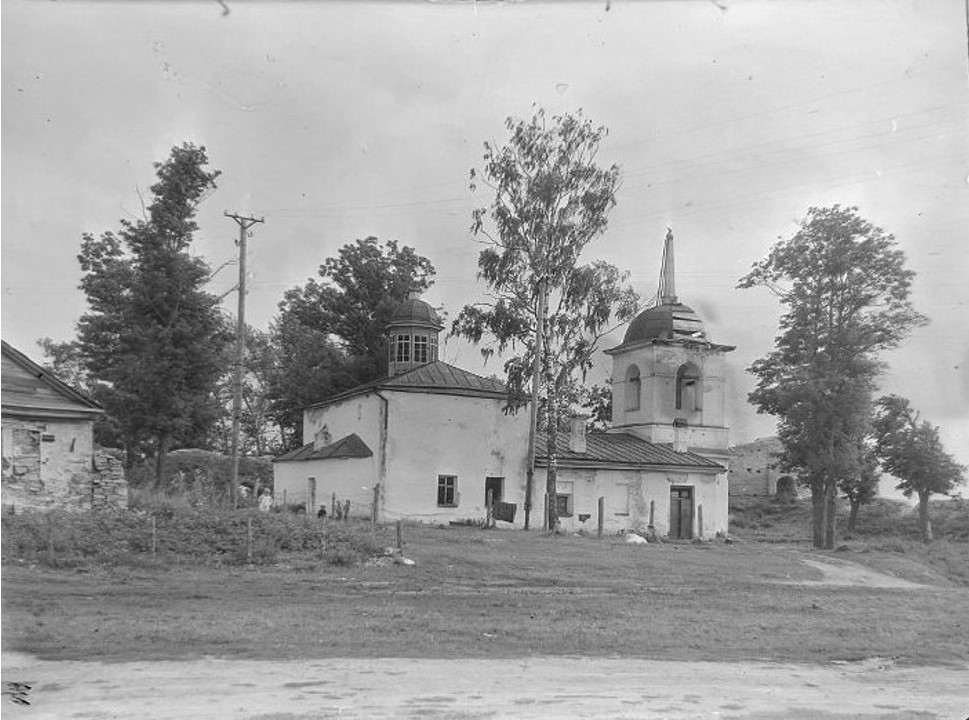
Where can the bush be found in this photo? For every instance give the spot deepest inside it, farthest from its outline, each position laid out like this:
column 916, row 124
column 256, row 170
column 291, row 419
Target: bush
column 181, row 534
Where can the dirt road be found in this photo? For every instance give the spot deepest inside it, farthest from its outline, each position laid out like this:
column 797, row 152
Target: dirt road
column 519, row 688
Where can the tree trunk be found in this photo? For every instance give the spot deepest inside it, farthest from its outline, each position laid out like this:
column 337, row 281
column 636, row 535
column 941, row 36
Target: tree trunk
column 551, row 488
column 830, row 515
column 853, row 515
column 925, row 524
column 164, row 443
column 817, row 514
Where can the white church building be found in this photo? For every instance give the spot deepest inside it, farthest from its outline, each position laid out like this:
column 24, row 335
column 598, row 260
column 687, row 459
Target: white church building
column 434, row 441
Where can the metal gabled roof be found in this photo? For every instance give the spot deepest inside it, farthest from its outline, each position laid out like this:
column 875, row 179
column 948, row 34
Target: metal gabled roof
column 620, row 449
column 436, row 377
column 350, row 446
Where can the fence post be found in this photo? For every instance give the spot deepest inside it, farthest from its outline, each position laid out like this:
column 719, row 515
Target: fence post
column 249, row 540
column 489, row 508
column 373, row 515
column 400, row 537
column 154, row 536
column 50, row 540
column 652, row 514
column 346, row 511
column 333, row 506
column 323, row 540
column 699, row 520
column 602, row 516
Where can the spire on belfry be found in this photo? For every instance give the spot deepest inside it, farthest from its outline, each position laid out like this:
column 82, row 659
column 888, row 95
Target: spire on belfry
column 667, row 285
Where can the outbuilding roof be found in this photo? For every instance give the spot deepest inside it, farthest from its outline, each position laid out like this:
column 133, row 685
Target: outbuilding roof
column 620, row 450
column 436, row 377
column 350, row 446
column 29, row 390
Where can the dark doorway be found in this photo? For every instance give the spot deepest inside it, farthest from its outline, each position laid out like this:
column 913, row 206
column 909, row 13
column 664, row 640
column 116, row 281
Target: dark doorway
column 496, row 486
column 681, row 513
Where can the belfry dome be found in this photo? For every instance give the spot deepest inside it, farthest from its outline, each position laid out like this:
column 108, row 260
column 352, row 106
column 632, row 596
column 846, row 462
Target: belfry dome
column 668, row 321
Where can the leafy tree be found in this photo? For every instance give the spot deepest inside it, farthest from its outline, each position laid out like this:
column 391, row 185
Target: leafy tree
column 152, row 338
column 597, row 401
column 308, row 367
column 910, row 450
column 331, row 334
column 846, row 290
column 259, row 428
column 358, row 293
column 860, row 489
column 550, row 200
column 64, row 360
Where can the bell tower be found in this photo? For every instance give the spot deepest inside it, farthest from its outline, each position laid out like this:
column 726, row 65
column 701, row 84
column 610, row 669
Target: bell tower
column 668, row 378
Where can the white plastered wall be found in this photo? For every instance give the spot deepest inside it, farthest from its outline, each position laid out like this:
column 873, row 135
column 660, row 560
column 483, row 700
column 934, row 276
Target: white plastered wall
column 629, row 495
column 653, row 420
column 350, row 478
column 469, row 437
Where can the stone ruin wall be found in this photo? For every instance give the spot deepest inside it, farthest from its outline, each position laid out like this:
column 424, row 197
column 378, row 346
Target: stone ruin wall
column 56, row 466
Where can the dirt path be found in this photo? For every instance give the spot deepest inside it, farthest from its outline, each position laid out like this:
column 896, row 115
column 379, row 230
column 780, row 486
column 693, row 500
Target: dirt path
column 841, row 572
column 517, row 688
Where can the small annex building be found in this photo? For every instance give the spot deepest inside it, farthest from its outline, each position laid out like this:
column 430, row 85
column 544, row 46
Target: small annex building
column 49, row 457
column 437, row 443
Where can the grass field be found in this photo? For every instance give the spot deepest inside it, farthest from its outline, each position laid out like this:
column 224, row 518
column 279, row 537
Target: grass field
column 505, row 594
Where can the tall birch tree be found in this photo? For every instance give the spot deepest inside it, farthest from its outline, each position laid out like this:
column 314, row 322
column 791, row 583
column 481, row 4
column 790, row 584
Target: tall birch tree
column 550, row 200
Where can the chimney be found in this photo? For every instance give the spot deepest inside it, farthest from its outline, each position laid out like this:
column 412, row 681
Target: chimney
column 577, row 438
column 322, row 438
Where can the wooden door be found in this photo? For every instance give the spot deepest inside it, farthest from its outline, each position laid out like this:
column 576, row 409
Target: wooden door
column 495, row 485
column 681, row 513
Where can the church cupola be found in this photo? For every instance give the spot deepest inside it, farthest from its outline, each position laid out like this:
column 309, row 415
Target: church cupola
column 668, row 379
column 413, row 331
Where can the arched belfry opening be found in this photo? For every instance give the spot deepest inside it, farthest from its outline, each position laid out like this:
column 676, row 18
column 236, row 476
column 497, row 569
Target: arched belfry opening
column 689, row 388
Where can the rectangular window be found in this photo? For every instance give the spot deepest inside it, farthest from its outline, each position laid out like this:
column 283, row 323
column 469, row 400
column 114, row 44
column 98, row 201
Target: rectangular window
column 420, row 348
column 563, row 499
column 403, row 348
column 447, row 490
column 432, row 349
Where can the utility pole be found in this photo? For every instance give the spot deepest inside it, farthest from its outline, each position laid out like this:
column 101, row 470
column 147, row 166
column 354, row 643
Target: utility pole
column 244, row 222
column 533, row 419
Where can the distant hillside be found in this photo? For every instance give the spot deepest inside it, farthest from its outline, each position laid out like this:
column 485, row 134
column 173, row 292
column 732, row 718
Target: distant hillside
column 753, row 468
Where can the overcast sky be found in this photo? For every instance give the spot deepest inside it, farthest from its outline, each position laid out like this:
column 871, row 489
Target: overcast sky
column 337, row 121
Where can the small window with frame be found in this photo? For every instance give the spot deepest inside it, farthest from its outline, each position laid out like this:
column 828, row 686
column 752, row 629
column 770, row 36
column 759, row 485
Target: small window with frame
column 447, row 490
column 403, row 348
column 564, row 506
column 420, row 348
